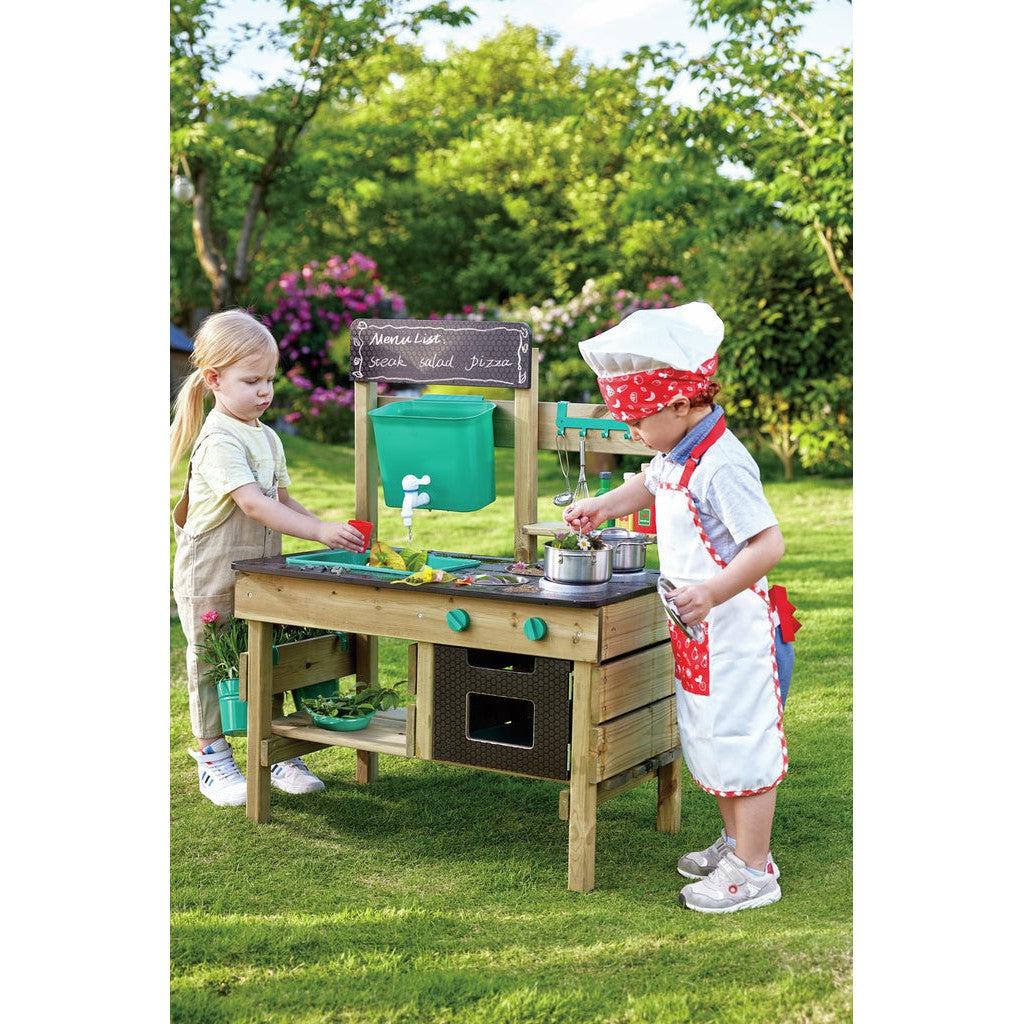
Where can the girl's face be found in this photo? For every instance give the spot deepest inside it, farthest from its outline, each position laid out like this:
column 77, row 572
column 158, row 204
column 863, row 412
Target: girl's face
column 663, row 430
column 244, row 389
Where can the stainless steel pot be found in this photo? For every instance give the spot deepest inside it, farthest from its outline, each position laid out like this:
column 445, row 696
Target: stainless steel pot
column 629, row 550
column 577, row 566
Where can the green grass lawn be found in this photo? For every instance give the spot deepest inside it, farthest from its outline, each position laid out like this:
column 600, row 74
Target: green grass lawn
column 438, row 894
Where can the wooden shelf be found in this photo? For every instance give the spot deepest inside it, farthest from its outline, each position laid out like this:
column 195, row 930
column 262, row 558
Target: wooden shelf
column 386, row 734
column 545, row 529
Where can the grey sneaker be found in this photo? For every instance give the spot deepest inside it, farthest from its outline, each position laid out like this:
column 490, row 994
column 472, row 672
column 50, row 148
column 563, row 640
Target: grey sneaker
column 700, row 863
column 729, row 888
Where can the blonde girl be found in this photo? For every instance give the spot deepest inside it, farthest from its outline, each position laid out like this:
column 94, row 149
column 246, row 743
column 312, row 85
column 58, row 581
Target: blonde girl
column 235, row 504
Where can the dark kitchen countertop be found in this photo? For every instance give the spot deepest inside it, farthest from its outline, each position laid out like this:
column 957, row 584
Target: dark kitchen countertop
column 620, row 587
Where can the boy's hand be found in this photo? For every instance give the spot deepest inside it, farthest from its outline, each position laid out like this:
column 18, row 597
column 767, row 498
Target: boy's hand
column 693, row 603
column 586, row 515
column 340, row 535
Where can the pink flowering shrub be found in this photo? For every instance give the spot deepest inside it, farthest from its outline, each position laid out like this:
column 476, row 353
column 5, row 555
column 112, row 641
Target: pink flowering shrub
column 313, row 306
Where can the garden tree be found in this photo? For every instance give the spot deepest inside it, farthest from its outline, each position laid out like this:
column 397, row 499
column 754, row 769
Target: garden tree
column 504, row 170
column 786, row 361
column 783, row 112
column 238, row 150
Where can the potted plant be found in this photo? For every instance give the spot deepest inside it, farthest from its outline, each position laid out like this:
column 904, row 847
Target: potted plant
column 355, row 708
column 222, row 644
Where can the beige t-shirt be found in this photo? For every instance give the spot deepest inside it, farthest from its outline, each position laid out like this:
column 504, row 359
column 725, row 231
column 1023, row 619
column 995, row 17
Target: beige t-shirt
column 248, row 454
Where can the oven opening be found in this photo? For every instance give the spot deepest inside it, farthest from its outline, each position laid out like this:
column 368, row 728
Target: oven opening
column 507, row 721
column 476, row 658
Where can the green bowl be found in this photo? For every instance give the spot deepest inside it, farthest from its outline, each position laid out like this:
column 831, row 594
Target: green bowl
column 340, row 724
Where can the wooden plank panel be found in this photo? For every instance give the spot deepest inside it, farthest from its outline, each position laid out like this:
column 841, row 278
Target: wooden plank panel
column 382, row 736
column 603, row 795
column 630, row 625
column 632, row 681
column 277, row 748
column 419, row 616
column 424, row 718
column 505, row 430
column 626, row 741
column 525, row 474
column 304, row 662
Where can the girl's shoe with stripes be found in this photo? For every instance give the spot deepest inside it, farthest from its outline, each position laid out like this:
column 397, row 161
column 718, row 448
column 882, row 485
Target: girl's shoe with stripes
column 219, row 778
column 293, row 776
column 730, row 887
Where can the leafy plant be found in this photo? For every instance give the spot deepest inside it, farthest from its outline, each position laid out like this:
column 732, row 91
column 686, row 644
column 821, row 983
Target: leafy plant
column 222, row 644
column 577, row 542
column 356, row 703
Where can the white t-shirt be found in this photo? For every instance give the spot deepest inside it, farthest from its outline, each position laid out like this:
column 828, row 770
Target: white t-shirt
column 726, row 488
column 229, row 454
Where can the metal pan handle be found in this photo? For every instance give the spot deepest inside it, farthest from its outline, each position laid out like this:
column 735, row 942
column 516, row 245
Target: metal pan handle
column 694, row 632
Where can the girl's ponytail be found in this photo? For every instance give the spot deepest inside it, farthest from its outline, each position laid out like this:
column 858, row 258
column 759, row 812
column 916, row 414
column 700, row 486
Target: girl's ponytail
column 188, row 415
column 222, row 339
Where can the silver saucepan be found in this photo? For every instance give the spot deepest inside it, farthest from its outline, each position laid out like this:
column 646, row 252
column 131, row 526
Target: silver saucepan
column 562, row 566
column 629, row 550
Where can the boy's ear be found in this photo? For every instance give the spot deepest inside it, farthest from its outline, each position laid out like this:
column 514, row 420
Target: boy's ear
column 680, row 405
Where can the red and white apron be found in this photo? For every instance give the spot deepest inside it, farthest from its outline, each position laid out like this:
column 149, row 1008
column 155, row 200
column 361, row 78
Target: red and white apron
column 728, row 701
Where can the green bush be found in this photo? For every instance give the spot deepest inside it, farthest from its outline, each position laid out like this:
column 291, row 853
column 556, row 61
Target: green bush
column 786, row 362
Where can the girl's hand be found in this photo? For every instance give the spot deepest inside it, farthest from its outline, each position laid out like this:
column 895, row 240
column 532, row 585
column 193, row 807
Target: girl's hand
column 340, row 535
column 693, row 603
column 586, row 515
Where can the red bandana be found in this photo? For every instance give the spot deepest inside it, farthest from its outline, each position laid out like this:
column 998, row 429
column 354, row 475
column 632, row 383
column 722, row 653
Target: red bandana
column 632, row 396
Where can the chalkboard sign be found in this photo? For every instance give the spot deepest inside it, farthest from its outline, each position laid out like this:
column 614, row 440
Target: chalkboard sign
column 485, row 354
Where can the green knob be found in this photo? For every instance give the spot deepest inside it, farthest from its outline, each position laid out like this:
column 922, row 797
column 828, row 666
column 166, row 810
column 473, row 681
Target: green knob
column 535, row 629
column 458, row 620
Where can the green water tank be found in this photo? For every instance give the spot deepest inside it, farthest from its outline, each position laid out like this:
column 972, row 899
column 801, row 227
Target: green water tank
column 449, row 438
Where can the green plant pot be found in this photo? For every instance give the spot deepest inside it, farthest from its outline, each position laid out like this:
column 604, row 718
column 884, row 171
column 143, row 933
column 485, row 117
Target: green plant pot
column 340, row 724
column 326, row 689
column 234, row 713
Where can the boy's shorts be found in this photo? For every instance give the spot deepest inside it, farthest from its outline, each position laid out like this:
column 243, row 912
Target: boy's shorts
column 784, row 658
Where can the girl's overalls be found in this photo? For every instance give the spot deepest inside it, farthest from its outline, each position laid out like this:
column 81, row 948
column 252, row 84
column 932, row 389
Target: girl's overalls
column 204, row 581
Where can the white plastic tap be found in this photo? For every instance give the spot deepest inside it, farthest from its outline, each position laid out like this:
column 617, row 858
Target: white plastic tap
column 414, row 498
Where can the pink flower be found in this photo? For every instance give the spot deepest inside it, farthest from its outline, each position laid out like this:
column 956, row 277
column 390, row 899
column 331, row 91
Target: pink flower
column 292, row 417
column 211, row 616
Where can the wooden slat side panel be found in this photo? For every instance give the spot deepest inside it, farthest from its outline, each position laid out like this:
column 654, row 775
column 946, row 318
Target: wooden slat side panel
column 406, row 614
column 626, row 741
column 630, row 625
column 632, row 681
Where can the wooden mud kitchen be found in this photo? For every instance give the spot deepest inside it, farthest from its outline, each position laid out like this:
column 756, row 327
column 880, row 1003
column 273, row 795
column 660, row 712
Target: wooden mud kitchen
column 510, row 671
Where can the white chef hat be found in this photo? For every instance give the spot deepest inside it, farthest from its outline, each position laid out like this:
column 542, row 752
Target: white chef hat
column 681, row 337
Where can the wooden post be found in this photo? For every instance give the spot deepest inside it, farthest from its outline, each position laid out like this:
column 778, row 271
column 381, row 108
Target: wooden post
column 582, row 792
column 366, row 509
column 424, row 701
column 260, row 696
column 525, row 482
column 669, row 796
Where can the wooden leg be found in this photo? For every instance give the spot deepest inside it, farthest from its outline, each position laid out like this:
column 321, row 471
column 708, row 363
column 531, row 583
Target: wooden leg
column 582, row 792
column 669, row 796
column 260, row 698
column 366, row 672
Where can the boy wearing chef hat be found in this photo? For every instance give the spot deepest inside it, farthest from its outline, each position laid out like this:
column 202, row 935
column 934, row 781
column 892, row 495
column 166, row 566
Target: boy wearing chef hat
column 717, row 540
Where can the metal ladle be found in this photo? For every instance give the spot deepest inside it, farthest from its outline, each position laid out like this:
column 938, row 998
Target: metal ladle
column 566, row 496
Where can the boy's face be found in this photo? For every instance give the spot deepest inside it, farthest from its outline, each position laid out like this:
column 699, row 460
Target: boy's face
column 663, row 430
column 244, row 389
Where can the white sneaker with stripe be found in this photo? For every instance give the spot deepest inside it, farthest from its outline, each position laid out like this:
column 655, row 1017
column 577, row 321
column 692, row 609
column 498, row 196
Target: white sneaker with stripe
column 293, row 776
column 219, row 778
